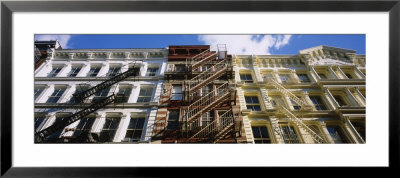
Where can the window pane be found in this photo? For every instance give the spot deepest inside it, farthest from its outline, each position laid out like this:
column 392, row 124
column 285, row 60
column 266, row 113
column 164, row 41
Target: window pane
column 336, row 134
column 38, row 91
column 94, row 71
column 109, row 129
column 39, row 122
column 74, row 71
column 303, row 78
column 55, row 96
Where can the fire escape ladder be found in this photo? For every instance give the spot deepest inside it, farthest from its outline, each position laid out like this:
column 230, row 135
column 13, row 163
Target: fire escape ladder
column 130, row 72
column 207, row 76
column 299, row 123
column 206, row 102
column 304, row 105
column 218, row 128
column 43, row 134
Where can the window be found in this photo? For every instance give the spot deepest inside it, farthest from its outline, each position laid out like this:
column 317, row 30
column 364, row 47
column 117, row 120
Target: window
column 266, row 77
column 284, row 78
column 206, row 89
column 276, row 101
column 109, row 129
column 180, row 68
column 319, row 105
column 38, row 91
column 135, row 128
column 100, row 95
column 303, row 78
column 55, row 96
column 336, row 134
column 113, row 71
column 137, row 69
column 360, row 128
column 246, row 78
column 295, row 105
column 253, row 103
column 176, row 92
column 152, row 71
column 94, row 70
column 173, row 120
column 124, row 93
column 54, row 137
column 74, row 71
column 84, row 126
column 207, row 118
column 348, row 75
column 55, row 71
column 78, row 89
column 261, row 135
column 145, row 95
column 339, row 100
column 322, row 76
column 289, row 134
column 206, row 67
column 39, row 122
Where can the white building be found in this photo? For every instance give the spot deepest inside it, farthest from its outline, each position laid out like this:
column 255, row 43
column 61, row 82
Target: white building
column 67, row 71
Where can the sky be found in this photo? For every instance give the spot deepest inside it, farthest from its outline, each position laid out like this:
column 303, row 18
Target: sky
column 236, row 44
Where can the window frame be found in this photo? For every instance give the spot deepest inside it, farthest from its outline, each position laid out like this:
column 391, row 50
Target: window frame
column 139, row 100
column 246, row 80
column 129, row 136
column 95, row 71
column 56, row 95
column 269, row 139
column 252, row 105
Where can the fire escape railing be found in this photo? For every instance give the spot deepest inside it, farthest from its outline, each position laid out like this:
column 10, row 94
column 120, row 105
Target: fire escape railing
column 217, row 126
column 299, row 123
column 205, row 102
column 91, row 91
column 304, row 105
column 207, row 76
column 57, row 126
column 43, row 134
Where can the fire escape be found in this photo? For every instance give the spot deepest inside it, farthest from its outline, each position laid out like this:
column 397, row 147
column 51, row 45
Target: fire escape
column 58, row 126
column 226, row 123
column 304, row 106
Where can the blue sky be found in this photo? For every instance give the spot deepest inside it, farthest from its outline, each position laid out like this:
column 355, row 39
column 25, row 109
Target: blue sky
column 236, row 44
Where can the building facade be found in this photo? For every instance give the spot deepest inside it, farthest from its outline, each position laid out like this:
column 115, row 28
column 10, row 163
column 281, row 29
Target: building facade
column 42, row 49
column 191, row 94
column 112, row 94
column 316, row 96
column 198, row 103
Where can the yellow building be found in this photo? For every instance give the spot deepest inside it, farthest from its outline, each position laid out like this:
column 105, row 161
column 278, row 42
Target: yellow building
column 316, row 96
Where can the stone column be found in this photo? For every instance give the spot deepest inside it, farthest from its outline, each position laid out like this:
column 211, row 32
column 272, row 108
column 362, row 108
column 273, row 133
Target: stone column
column 332, row 99
column 352, row 131
column 326, row 132
column 361, row 96
column 333, row 73
column 341, row 72
column 353, row 99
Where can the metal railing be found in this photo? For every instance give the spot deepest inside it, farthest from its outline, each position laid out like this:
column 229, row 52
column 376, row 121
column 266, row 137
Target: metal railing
column 205, row 102
column 215, row 127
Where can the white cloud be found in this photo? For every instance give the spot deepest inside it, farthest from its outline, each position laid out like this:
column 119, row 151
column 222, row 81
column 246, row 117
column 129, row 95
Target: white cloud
column 64, row 40
column 247, row 44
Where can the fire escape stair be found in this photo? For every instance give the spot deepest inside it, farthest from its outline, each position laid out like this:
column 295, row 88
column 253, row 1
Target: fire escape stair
column 207, row 76
column 217, row 129
column 43, row 134
column 91, row 91
column 304, row 105
column 299, row 123
column 205, row 103
column 206, row 57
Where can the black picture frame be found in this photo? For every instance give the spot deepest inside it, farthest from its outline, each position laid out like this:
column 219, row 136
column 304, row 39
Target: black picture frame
column 8, row 7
